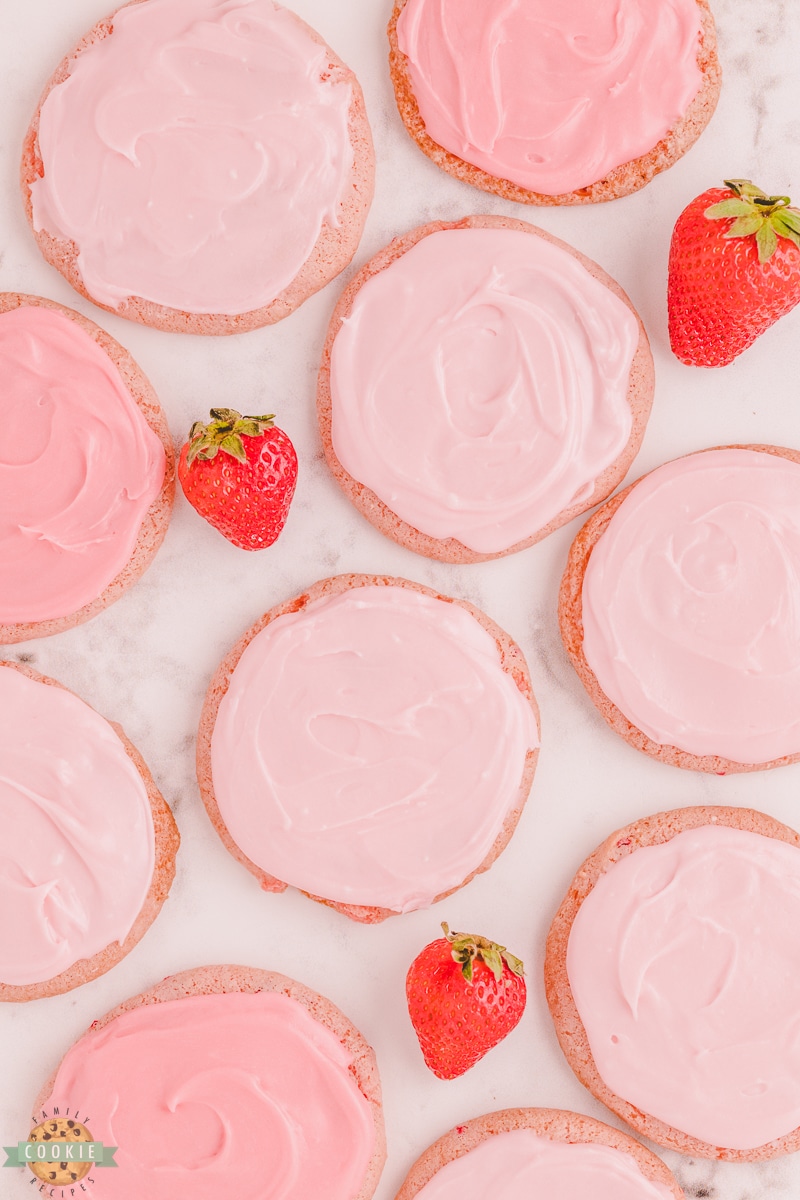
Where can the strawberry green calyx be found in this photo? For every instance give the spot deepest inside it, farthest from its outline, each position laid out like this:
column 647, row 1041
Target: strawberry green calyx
column 224, row 432
column 467, row 947
column 757, row 214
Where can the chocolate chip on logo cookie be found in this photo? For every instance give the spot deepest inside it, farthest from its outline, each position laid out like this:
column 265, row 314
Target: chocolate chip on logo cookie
column 60, row 1130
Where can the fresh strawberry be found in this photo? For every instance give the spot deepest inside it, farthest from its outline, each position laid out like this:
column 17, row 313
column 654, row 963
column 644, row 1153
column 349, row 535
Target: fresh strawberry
column 240, row 474
column 465, row 994
column 734, row 269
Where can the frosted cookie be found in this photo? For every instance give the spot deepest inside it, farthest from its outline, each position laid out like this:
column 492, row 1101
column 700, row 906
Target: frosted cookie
column 520, row 1153
column 87, row 469
column 224, row 1079
column 678, row 608
column 554, row 104
column 482, row 383
column 369, row 742
column 672, row 973
column 202, row 166
column 88, row 842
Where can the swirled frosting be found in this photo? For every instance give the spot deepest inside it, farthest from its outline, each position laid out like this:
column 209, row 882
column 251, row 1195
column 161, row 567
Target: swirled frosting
column 480, row 385
column 551, row 96
column 194, row 155
column 370, row 746
column 231, row 1094
column 521, row 1164
column 684, row 963
column 77, row 847
column 79, row 467
column 691, row 605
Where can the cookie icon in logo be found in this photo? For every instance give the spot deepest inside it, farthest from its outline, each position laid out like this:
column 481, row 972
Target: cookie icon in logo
column 59, row 1129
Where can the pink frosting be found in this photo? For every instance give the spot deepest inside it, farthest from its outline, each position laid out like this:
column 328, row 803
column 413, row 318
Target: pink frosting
column 684, row 963
column 370, row 746
column 691, row 605
column 77, row 847
column 219, row 1096
column 79, row 467
column 521, row 1165
column 551, row 96
column 480, row 385
column 194, row 155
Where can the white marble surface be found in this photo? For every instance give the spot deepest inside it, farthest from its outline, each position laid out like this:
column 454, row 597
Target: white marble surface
column 146, row 661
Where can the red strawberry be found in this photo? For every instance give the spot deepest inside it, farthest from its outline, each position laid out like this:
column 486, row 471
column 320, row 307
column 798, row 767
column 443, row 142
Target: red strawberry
column 465, row 994
column 239, row 473
column 734, row 269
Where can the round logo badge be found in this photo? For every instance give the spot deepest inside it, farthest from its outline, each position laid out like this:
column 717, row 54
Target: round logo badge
column 59, row 1129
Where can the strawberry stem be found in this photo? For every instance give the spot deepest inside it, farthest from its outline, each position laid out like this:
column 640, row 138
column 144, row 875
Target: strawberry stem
column 468, row 948
column 224, row 432
column 755, row 214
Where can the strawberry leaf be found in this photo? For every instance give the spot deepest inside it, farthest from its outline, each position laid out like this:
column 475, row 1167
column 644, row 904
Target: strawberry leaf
column 203, row 448
column 789, row 217
column 233, row 444
column 744, row 187
column 767, row 241
column 729, row 208
column 784, row 230
column 253, row 426
column 466, row 948
column 225, row 432
column 493, row 959
column 745, row 226
column 754, row 212
column 515, row 965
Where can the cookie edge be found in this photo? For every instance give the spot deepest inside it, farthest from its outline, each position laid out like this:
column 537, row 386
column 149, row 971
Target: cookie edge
column 570, row 619
column 231, row 978
column 559, row 1125
column 153, row 528
column 166, row 842
column 512, row 662
column 641, row 388
column 332, row 252
column 622, row 181
column 647, row 831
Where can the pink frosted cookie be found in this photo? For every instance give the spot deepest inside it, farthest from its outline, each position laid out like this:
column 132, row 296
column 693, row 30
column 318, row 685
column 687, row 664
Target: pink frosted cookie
column 548, row 103
column 88, row 842
column 227, row 1081
column 202, row 166
column 522, row 1153
column 370, row 742
column 678, row 608
column 672, row 973
column 87, row 470
column 482, row 383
